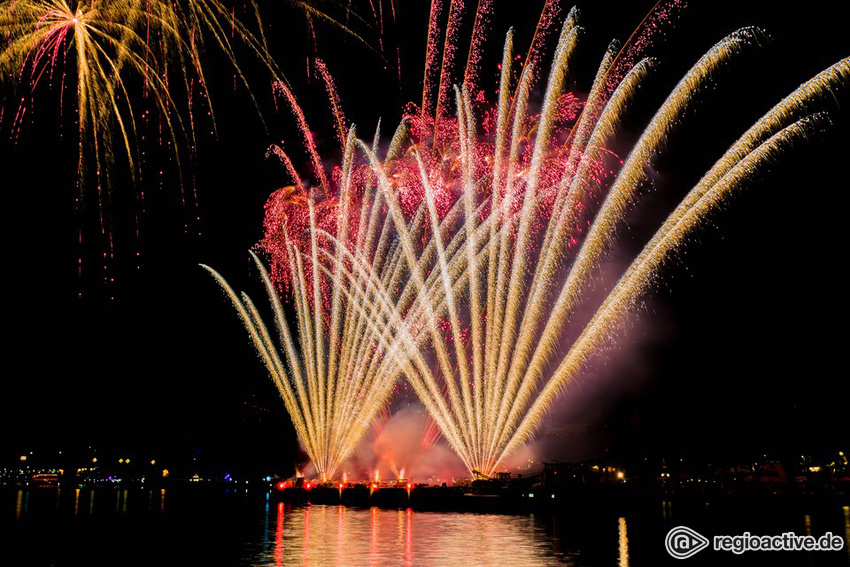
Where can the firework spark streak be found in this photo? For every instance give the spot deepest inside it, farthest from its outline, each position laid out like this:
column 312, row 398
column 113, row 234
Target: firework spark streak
column 112, row 40
column 458, row 261
column 335, row 339
column 132, row 65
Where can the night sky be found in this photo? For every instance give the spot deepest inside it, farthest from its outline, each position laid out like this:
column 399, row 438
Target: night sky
column 739, row 352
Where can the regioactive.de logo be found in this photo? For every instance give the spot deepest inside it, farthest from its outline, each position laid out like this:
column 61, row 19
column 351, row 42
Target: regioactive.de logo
column 683, row 542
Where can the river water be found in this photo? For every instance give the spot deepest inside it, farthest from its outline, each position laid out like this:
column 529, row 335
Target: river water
column 218, row 527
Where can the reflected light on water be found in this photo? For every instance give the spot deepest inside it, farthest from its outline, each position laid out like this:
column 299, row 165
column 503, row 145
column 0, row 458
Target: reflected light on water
column 408, row 537
column 266, row 525
column 624, row 544
column 373, row 532
column 666, row 507
column 278, row 535
column 335, row 535
column 305, row 548
column 847, row 529
column 19, row 504
column 224, row 529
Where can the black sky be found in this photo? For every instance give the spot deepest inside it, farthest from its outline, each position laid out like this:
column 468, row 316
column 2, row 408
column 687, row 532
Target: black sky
column 738, row 352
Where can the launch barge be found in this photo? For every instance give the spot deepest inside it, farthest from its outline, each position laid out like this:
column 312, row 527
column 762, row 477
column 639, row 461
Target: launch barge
column 538, row 492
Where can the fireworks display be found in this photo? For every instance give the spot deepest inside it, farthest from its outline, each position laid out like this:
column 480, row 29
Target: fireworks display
column 105, row 49
column 458, row 259
column 330, row 414
column 132, row 75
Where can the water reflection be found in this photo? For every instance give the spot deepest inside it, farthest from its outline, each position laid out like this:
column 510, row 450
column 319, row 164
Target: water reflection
column 408, row 541
column 624, row 544
column 335, row 535
column 666, row 509
column 20, row 506
column 227, row 529
column 278, row 536
column 121, row 501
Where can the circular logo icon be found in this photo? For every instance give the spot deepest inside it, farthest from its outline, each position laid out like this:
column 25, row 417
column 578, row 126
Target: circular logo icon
column 683, row 542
